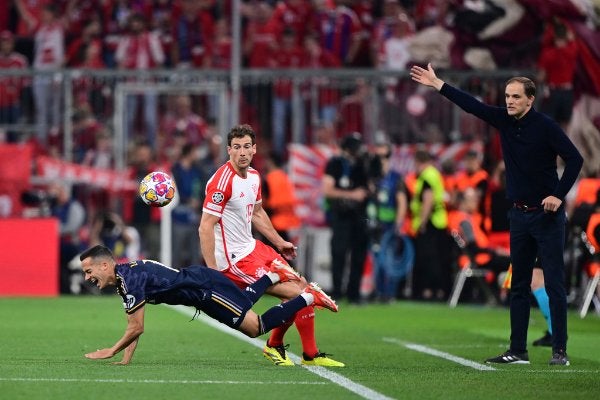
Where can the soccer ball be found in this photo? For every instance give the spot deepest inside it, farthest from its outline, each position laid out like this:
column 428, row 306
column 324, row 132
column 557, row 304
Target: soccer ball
column 157, row 189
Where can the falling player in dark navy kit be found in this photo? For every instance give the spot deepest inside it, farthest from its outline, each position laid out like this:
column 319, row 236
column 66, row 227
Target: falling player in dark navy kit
column 208, row 290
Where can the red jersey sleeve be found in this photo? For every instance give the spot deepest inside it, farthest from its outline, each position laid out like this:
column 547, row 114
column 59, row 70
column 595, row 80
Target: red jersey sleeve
column 218, row 190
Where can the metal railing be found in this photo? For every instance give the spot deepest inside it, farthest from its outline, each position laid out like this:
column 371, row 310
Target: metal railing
column 376, row 102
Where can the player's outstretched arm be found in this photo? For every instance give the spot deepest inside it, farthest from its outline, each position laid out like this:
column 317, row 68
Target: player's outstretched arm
column 135, row 327
column 426, row 76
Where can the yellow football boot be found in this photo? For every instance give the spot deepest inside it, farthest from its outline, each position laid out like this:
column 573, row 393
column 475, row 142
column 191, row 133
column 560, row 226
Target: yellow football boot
column 321, row 360
column 277, row 355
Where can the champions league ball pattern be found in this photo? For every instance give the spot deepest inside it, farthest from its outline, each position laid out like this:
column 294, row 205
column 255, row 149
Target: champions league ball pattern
column 157, row 189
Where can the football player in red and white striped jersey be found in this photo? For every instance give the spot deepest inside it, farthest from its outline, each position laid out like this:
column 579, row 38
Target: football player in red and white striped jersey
column 232, row 207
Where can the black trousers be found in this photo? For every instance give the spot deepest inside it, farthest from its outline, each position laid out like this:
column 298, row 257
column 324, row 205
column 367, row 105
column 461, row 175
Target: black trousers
column 432, row 262
column 537, row 234
column 349, row 238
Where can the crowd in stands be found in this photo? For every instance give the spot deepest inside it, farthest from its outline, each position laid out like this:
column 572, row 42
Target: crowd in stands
column 552, row 36
column 196, row 34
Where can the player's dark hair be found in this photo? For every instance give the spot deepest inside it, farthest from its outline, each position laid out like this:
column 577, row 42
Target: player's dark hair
column 239, row 131
column 528, row 84
column 97, row 251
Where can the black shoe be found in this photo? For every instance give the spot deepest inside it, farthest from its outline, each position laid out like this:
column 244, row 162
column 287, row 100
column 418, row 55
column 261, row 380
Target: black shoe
column 559, row 357
column 509, row 357
column 545, row 341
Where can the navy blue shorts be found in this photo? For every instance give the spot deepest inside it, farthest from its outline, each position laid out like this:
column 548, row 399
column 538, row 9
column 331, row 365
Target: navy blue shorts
column 224, row 301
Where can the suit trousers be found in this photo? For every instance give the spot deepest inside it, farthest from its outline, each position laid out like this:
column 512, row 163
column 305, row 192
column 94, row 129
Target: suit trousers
column 537, row 234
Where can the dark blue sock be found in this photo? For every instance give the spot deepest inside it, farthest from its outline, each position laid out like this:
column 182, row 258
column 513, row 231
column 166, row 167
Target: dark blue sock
column 281, row 313
column 258, row 288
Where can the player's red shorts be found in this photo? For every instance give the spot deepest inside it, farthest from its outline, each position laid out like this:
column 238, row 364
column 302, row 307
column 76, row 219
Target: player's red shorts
column 252, row 267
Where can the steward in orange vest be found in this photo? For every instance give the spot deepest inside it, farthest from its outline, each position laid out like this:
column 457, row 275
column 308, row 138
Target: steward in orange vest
column 466, row 221
column 279, row 199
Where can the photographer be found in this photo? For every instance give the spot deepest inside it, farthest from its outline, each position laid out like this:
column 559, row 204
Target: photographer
column 71, row 216
column 346, row 188
column 108, row 229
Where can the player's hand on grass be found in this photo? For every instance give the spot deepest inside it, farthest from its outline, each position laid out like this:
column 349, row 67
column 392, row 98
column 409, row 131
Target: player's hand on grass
column 100, row 354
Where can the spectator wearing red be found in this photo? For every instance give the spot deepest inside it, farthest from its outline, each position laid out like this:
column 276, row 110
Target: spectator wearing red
column 4, row 15
column 557, row 64
column 28, row 10
column 384, row 26
column 101, row 154
column 221, row 54
column 394, row 52
column 160, row 14
column 78, row 14
column 220, row 59
column 292, row 14
column 328, row 96
column 181, row 121
column 353, row 110
column 86, row 129
column 364, row 12
column 49, row 54
column 431, row 13
column 259, row 46
column 289, row 55
column 260, row 38
column 339, row 29
column 10, row 87
column 193, row 29
column 86, row 52
column 115, row 17
column 141, row 50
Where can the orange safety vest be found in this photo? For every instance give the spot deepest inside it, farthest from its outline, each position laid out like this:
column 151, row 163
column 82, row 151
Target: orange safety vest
column 281, row 201
column 455, row 218
column 586, row 191
column 463, row 180
column 591, row 227
column 593, row 266
column 410, row 180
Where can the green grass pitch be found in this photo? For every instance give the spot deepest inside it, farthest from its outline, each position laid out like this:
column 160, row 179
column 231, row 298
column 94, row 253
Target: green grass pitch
column 405, row 350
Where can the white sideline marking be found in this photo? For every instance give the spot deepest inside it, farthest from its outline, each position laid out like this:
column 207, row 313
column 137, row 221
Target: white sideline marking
column 339, row 380
column 446, row 356
column 159, row 381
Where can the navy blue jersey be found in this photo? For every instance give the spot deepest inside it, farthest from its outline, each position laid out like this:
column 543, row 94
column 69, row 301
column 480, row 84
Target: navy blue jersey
column 146, row 281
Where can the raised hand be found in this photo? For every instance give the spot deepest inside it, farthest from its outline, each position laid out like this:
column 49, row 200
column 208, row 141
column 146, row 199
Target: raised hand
column 426, row 76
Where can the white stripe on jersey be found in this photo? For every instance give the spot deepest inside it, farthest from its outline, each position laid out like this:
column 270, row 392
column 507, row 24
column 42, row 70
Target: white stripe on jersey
column 224, row 180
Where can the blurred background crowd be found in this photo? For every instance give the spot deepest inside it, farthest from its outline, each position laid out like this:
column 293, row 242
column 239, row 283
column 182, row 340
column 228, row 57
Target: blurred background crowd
column 135, row 86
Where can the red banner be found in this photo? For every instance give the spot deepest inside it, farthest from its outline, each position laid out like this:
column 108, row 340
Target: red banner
column 51, row 168
column 15, row 171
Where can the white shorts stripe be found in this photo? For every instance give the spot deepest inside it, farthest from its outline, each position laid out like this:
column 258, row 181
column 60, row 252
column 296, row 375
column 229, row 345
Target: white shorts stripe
column 249, row 279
